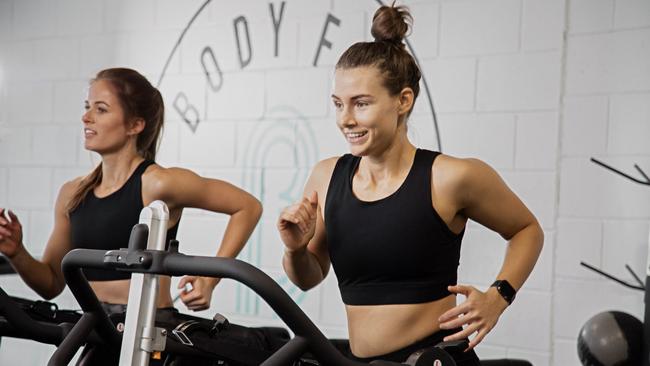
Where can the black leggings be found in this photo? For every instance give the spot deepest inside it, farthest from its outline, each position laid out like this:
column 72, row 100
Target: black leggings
column 468, row 358
column 105, row 356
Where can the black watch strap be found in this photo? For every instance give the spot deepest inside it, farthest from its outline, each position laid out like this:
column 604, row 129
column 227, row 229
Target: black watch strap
column 505, row 289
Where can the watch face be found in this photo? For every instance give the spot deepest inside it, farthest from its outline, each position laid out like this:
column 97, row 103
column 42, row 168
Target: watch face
column 247, row 89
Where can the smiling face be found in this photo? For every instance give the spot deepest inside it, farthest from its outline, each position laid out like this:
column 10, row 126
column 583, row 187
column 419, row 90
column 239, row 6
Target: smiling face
column 370, row 119
column 105, row 127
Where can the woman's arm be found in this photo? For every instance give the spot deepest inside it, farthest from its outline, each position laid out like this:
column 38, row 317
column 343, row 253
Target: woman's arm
column 44, row 276
column 302, row 229
column 485, row 198
column 180, row 188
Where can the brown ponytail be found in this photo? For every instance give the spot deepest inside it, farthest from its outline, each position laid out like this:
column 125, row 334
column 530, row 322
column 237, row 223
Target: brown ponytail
column 139, row 99
column 387, row 53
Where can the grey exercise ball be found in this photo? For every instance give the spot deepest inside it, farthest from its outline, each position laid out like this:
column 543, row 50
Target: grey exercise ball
column 611, row 338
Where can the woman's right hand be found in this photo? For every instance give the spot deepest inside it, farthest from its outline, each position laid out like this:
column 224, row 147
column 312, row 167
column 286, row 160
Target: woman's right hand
column 11, row 234
column 297, row 223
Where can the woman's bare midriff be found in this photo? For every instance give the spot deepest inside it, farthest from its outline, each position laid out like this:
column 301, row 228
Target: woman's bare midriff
column 117, row 292
column 380, row 329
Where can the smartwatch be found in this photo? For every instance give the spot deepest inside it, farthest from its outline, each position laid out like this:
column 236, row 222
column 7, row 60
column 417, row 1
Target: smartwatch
column 505, row 289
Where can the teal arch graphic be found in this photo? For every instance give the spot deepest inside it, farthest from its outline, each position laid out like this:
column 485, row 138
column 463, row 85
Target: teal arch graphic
column 275, row 135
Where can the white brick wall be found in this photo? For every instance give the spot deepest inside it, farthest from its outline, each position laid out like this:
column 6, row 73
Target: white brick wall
column 542, row 24
column 55, row 59
column 532, row 87
column 3, row 185
column 490, row 136
column 611, row 62
column 536, row 141
column 33, row 19
column 590, row 298
column 629, row 128
column 68, row 102
column 241, row 97
column 611, row 196
column 174, row 14
column 212, row 145
column 585, row 126
column 538, row 191
column 452, row 82
column 565, row 352
column 168, row 153
column 632, row 13
column 519, row 82
column 629, row 234
column 55, row 145
column 40, row 227
column 102, row 51
column 424, row 36
column 601, row 219
column 15, row 146
column 92, row 23
column 6, row 19
column 30, row 188
column 590, row 15
column 480, row 27
column 122, row 15
column 578, row 240
column 24, row 95
column 308, row 93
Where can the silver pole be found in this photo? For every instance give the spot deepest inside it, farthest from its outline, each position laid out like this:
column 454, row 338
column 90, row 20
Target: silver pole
column 139, row 330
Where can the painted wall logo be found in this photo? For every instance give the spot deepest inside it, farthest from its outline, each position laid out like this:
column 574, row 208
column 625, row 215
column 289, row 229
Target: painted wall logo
column 281, row 129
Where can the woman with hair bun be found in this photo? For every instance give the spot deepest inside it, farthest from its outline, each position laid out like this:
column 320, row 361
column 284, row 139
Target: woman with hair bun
column 122, row 123
column 390, row 217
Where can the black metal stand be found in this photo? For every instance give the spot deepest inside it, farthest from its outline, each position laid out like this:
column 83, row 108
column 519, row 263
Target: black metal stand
column 646, row 287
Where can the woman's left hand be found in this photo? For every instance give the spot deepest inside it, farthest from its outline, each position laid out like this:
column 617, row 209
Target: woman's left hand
column 200, row 295
column 479, row 312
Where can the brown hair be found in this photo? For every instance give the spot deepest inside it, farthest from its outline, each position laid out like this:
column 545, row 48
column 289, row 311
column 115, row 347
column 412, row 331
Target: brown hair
column 138, row 99
column 387, row 53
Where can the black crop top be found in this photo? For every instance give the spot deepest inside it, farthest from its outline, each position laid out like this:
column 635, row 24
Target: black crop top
column 105, row 223
column 396, row 250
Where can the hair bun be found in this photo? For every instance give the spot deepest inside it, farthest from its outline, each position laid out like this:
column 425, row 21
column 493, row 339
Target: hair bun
column 391, row 23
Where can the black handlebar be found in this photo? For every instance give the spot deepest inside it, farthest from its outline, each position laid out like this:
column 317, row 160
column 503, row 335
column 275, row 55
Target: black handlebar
column 307, row 336
column 21, row 325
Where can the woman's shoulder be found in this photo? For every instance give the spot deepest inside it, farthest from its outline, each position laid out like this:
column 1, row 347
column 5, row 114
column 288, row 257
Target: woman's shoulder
column 324, row 168
column 457, row 166
column 68, row 188
column 321, row 174
column 456, row 171
column 157, row 178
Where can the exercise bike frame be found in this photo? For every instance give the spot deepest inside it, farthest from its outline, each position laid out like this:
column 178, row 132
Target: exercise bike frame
column 171, row 263
column 139, row 335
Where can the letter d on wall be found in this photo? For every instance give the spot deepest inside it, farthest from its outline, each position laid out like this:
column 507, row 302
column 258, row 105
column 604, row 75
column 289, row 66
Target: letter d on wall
column 242, row 20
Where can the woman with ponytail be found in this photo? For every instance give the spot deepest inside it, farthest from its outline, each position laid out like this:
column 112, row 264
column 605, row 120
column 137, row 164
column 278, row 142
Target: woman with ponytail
column 122, row 123
column 390, row 217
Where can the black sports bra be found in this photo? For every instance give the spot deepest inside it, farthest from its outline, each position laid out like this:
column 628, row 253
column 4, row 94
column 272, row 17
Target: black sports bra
column 396, row 250
column 105, row 223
